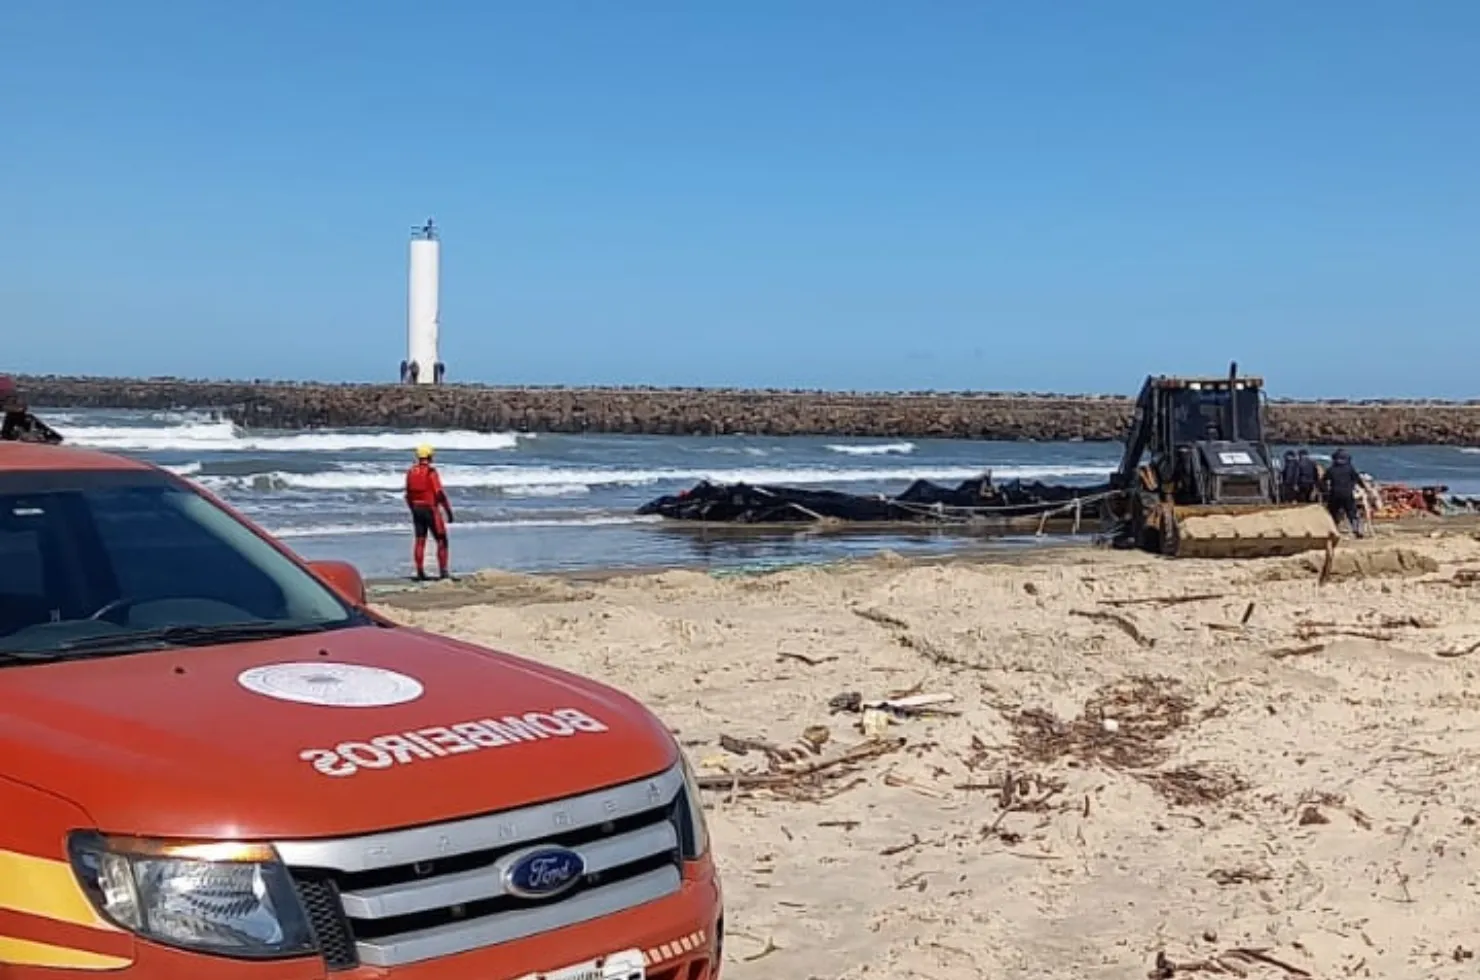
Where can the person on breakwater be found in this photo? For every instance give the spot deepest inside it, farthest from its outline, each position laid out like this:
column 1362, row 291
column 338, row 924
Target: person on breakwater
column 428, row 502
column 1339, row 486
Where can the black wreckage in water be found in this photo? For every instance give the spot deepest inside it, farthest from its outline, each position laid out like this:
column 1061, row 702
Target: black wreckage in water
column 977, row 501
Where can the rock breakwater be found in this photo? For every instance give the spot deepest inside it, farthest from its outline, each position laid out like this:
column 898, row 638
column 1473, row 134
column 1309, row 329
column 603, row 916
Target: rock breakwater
column 709, row 411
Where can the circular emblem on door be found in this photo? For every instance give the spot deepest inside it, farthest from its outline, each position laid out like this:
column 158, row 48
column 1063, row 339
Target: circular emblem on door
column 331, row 685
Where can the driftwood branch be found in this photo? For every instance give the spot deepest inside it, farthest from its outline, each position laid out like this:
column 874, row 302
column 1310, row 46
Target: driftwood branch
column 859, row 753
column 1461, row 652
column 1118, row 621
column 1231, row 962
column 1164, row 600
column 1301, row 651
column 880, row 617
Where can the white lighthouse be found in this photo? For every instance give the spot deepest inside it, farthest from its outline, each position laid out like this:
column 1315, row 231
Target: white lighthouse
column 423, row 315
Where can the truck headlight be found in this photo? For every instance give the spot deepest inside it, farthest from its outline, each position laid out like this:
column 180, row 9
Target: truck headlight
column 693, row 833
column 225, row 899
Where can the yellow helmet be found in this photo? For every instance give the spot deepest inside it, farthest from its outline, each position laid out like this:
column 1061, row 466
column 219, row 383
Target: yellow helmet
column 423, row 452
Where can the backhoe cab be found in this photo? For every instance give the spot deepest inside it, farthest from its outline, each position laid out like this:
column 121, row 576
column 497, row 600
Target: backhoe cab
column 1209, row 487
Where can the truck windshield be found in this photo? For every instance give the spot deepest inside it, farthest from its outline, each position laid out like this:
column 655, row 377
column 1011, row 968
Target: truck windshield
column 100, row 562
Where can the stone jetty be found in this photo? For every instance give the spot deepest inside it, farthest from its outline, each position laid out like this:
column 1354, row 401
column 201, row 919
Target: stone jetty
column 711, row 411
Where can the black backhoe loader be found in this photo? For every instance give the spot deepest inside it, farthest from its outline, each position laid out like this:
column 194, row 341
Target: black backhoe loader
column 1210, row 488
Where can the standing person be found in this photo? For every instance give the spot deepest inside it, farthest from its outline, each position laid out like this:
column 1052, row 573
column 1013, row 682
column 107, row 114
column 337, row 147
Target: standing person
column 428, row 502
column 1339, row 484
column 1305, row 477
column 1287, row 477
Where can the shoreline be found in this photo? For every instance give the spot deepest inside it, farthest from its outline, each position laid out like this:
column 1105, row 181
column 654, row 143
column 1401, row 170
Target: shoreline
column 492, row 584
column 1138, row 761
column 1013, row 417
column 485, row 585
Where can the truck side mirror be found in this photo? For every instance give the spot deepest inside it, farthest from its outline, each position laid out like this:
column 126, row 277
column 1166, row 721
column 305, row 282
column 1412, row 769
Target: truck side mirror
column 343, row 578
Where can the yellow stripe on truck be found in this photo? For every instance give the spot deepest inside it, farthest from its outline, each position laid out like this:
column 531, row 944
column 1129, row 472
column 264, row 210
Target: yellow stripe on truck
column 46, row 888
column 24, row 952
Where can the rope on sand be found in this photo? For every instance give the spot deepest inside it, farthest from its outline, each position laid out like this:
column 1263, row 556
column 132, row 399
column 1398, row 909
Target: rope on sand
column 1042, row 509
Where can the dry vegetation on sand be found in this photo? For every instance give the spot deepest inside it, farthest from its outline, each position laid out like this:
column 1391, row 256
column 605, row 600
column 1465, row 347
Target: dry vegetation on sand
column 1144, row 767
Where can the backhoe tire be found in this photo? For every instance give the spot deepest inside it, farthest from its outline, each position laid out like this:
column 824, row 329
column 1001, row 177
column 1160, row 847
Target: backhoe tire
column 1171, row 539
column 1148, row 537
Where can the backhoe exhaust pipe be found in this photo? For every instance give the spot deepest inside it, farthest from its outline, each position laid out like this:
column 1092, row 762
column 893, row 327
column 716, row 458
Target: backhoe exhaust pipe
column 1232, row 401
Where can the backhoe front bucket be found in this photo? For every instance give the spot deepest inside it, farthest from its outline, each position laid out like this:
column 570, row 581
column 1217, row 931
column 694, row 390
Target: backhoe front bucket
column 1246, row 531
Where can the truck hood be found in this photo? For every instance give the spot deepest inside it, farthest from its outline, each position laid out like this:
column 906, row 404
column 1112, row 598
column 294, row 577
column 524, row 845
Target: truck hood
column 329, row 734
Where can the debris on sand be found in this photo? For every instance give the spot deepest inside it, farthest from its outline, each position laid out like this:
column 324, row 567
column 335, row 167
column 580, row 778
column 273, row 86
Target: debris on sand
column 1194, row 786
column 1144, row 711
column 1119, row 621
column 1021, row 793
column 788, row 778
column 1126, row 726
column 1233, row 962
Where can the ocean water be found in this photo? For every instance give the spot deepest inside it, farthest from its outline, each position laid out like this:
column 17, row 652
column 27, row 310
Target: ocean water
column 547, row 502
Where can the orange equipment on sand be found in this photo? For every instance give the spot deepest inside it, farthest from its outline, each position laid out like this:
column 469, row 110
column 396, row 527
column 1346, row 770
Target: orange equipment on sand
column 1397, row 500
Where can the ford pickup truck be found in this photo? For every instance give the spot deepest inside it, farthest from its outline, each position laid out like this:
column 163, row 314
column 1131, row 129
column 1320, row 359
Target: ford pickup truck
column 217, row 762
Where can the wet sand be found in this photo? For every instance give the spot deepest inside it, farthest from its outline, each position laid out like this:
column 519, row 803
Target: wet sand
column 1145, row 757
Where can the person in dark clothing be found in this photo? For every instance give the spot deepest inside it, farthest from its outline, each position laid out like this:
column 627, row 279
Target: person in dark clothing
column 1339, row 486
column 1305, row 477
column 17, row 424
column 1287, row 476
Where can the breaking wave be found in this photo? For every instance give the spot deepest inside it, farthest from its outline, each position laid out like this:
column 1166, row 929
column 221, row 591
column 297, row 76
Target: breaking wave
column 873, row 448
column 570, row 481
column 223, row 436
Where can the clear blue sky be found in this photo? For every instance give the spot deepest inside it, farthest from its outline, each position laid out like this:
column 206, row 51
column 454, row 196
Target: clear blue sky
column 828, row 193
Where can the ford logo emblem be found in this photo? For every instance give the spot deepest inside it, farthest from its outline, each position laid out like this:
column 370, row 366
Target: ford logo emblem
column 543, row 872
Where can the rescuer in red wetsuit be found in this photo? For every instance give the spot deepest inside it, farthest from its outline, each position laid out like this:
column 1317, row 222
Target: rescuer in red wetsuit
column 428, row 502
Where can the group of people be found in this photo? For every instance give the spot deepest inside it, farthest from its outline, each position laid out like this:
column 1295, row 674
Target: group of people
column 1303, row 481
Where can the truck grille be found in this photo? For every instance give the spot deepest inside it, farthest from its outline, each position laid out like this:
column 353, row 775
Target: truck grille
column 409, row 895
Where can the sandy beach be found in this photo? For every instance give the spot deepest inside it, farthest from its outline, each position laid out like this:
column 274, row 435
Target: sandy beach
column 1148, row 768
